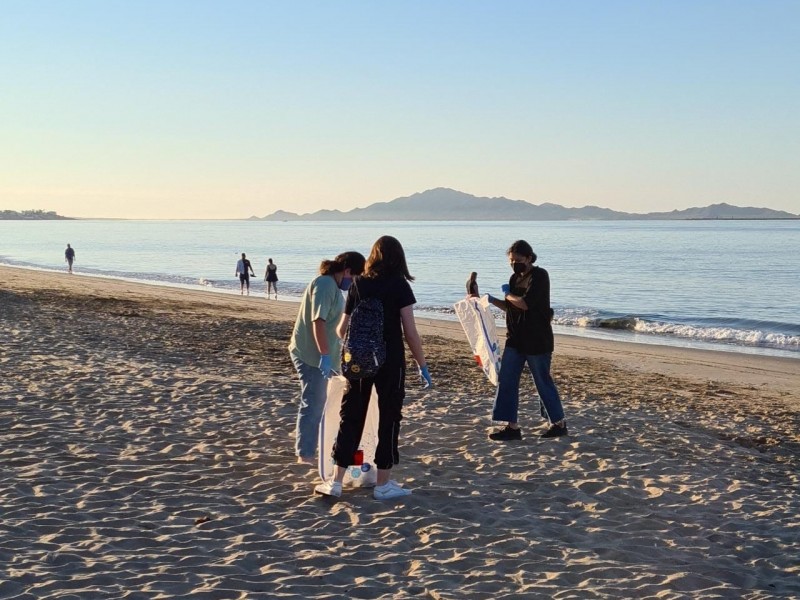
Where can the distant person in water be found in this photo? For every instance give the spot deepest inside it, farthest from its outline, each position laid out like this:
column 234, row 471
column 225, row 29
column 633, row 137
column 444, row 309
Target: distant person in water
column 271, row 277
column 472, row 285
column 69, row 256
column 243, row 270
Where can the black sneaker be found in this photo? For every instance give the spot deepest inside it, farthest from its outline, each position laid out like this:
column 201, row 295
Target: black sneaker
column 555, row 430
column 505, row 434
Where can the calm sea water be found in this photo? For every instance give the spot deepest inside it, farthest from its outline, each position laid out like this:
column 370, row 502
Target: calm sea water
column 731, row 285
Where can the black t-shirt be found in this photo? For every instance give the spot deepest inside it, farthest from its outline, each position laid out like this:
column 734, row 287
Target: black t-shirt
column 395, row 292
column 530, row 331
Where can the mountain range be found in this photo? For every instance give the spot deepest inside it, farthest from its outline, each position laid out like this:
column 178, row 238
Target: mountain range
column 444, row 204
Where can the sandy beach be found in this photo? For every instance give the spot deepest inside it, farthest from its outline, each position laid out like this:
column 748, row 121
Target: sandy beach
column 146, row 452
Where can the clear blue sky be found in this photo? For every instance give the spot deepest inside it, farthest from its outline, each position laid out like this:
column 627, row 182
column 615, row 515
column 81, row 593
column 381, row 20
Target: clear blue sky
column 197, row 109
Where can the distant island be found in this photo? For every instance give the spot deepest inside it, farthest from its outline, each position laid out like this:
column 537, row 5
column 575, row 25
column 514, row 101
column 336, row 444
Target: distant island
column 30, row 215
column 444, row 204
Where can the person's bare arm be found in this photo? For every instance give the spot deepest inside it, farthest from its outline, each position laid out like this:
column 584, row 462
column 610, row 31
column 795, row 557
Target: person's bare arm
column 341, row 328
column 517, row 301
column 412, row 335
column 501, row 304
column 320, row 336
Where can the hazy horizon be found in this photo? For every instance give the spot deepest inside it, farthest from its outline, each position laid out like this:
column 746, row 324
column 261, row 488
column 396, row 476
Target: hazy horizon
column 210, row 110
column 302, row 214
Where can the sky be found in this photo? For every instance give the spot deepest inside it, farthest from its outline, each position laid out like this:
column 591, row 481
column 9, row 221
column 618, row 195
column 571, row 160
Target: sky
column 227, row 109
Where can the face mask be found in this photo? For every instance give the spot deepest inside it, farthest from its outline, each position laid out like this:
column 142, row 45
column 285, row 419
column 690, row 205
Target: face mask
column 346, row 283
column 519, row 267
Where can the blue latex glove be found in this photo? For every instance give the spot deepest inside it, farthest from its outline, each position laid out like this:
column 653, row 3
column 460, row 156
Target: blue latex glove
column 426, row 377
column 506, row 289
column 325, row 365
column 491, row 298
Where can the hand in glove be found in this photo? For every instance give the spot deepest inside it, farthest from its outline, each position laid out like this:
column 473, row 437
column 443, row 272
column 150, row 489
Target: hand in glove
column 425, row 376
column 325, row 365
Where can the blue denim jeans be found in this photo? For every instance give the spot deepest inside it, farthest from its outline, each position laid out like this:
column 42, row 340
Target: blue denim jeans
column 313, row 393
column 506, row 401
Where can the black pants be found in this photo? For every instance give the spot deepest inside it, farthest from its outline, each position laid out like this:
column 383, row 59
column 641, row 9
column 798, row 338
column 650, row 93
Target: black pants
column 390, row 385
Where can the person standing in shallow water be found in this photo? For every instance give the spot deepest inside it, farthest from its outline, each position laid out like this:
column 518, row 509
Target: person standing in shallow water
column 69, row 256
column 244, row 270
column 529, row 339
column 271, row 277
column 472, row 285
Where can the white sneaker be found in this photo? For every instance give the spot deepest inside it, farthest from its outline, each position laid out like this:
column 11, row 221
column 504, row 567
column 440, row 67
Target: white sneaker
column 373, row 483
column 330, row 488
column 389, row 491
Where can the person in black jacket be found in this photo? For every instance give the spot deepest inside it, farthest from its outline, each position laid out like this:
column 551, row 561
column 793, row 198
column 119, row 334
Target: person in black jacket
column 529, row 339
column 472, row 285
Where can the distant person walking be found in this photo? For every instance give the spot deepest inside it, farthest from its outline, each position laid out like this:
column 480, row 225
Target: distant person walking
column 69, row 256
column 529, row 339
column 315, row 348
column 271, row 277
column 243, row 270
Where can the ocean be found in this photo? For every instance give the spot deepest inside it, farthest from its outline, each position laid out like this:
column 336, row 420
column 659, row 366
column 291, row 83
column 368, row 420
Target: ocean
column 726, row 285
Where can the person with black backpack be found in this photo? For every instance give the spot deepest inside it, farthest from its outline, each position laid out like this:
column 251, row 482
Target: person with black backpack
column 378, row 314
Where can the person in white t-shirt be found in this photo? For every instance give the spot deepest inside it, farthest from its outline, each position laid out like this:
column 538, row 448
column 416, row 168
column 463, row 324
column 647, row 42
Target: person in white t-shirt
column 244, row 270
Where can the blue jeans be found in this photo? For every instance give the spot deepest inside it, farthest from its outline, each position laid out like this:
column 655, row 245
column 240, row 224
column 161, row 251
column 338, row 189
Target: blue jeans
column 313, row 393
column 506, row 401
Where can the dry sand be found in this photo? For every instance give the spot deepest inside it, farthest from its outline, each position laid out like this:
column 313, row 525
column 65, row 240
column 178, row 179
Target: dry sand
column 146, row 448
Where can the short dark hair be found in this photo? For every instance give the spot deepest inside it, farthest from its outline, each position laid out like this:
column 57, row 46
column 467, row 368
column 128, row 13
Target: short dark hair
column 522, row 248
column 387, row 257
column 352, row 260
column 346, row 260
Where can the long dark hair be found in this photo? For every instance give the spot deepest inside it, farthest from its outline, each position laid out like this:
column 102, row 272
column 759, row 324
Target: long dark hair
column 387, row 258
column 346, row 260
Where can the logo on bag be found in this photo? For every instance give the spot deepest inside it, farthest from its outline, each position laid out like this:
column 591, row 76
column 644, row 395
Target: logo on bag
column 364, row 349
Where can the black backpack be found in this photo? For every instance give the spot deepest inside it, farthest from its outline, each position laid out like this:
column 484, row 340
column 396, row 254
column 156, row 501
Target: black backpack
column 364, row 348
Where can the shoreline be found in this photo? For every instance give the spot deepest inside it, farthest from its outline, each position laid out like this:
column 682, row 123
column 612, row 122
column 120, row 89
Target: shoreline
column 148, row 450
column 434, row 314
column 725, row 366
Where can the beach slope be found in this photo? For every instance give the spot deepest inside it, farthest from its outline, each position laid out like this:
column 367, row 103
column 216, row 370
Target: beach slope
column 146, row 448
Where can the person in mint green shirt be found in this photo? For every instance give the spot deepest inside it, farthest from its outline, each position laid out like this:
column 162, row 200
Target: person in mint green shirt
column 315, row 344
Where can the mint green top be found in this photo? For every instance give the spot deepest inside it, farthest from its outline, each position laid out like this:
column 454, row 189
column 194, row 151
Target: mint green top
column 321, row 300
